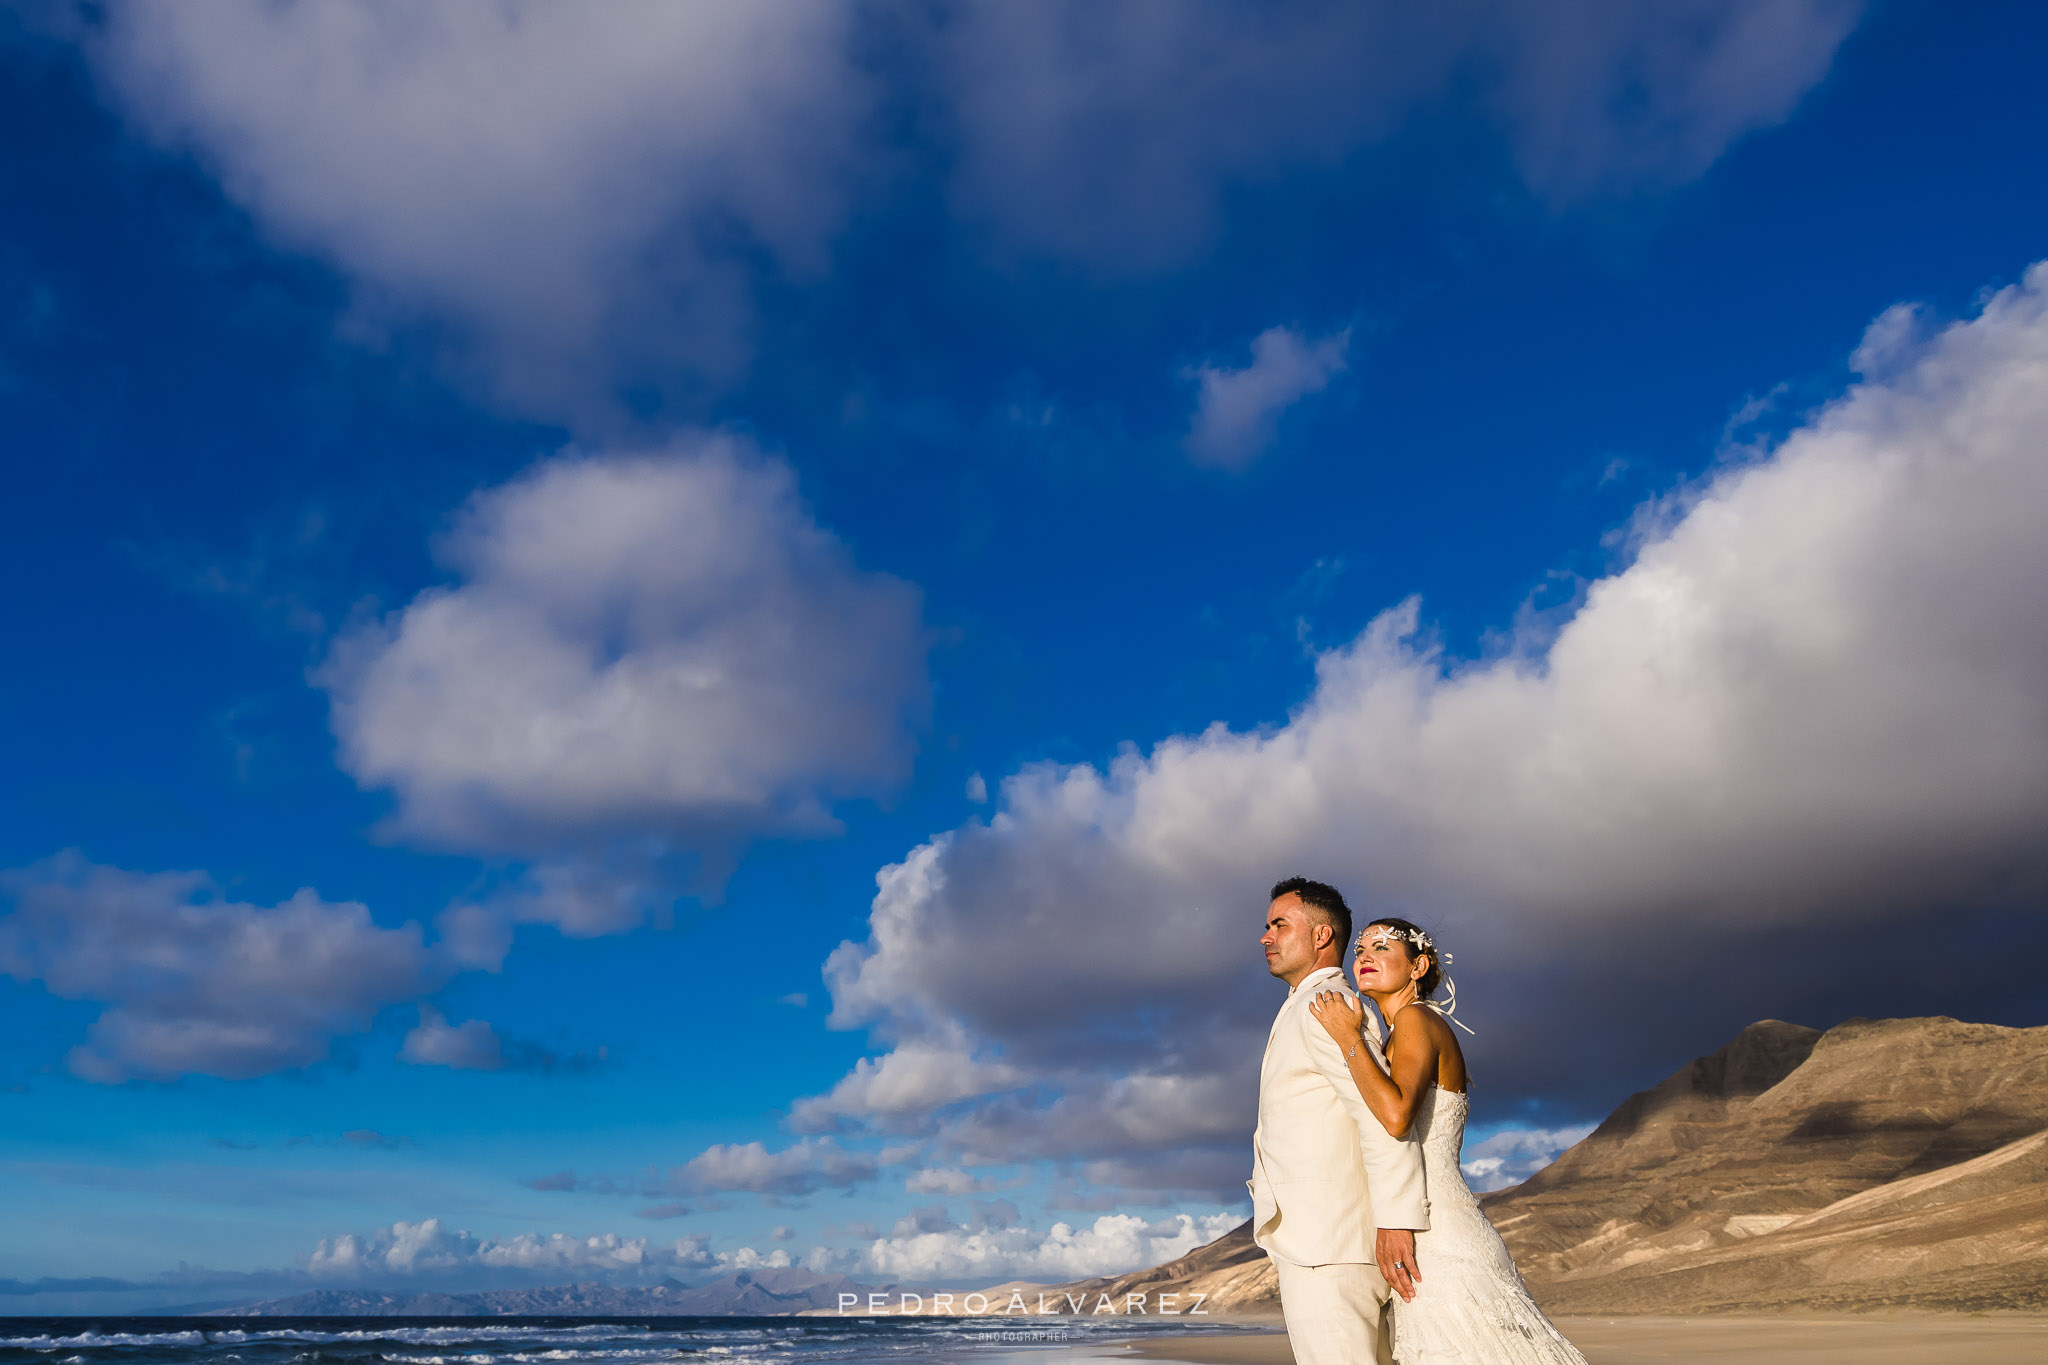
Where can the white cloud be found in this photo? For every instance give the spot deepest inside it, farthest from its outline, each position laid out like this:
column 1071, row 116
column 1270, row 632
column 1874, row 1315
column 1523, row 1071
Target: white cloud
column 930, row 1218
column 661, row 647
column 1113, row 133
column 427, row 1248
column 1813, row 700
column 1099, row 1109
column 196, row 983
column 913, row 1079
column 1116, row 1243
column 749, row 1166
column 947, row 1180
column 1237, row 410
column 583, row 199
column 1895, row 337
column 798, row 1169
column 430, row 1252
column 574, row 190
column 1512, row 1155
column 1598, row 94
column 470, row 1046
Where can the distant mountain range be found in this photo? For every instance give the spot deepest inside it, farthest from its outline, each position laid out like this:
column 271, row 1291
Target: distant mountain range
column 747, row 1293
column 1883, row 1163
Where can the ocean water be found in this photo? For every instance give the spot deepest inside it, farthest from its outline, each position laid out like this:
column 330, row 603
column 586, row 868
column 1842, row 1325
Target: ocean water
column 562, row 1341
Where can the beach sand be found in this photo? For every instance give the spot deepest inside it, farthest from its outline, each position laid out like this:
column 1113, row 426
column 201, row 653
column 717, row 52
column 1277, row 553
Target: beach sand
column 1917, row 1339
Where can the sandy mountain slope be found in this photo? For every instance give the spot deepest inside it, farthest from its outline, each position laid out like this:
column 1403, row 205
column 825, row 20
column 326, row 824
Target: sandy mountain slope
column 1232, row 1276
column 1890, row 1162
column 1899, row 1162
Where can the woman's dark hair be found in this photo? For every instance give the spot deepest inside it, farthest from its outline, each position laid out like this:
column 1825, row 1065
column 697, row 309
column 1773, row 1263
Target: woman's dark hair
column 1430, row 979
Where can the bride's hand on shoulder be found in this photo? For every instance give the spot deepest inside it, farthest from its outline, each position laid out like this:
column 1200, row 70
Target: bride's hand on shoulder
column 1342, row 1015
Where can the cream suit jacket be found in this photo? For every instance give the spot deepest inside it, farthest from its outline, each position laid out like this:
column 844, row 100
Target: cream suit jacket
column 1325, row 1174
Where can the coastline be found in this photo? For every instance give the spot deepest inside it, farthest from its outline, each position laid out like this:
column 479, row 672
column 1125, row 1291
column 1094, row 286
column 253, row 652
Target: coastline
column 1788, row 1339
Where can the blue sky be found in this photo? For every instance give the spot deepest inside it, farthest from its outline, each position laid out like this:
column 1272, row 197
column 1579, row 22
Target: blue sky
column 596, row 588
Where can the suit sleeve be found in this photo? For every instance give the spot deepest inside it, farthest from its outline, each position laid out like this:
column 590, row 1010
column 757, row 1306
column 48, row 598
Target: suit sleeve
column 1393, row 1166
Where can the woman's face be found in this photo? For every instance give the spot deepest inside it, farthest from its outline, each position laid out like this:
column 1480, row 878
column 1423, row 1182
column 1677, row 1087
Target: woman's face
column 1384, row 964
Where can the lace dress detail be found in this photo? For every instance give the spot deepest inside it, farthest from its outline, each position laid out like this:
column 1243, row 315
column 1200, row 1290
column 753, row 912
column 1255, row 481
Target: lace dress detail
column 1471, row 1307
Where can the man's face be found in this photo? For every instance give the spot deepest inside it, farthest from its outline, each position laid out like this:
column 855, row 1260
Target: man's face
column 1290, row 939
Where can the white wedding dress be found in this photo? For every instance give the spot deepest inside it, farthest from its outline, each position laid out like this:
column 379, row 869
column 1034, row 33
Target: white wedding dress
column 1470, row 1306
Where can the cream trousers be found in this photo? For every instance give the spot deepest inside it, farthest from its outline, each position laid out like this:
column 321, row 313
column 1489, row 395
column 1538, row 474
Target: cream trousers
column 1336, row 1314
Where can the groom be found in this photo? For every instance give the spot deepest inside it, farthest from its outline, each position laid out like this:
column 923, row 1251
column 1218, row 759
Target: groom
column 1336, row 1200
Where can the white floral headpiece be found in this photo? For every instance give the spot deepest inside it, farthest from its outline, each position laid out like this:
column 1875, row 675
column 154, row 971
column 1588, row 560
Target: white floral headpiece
column 1419, row 942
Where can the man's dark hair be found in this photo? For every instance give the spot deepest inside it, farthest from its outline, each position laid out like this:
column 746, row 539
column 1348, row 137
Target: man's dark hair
column 1325, row 901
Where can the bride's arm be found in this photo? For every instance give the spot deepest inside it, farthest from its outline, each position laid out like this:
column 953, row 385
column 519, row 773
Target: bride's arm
column 1411, row 1053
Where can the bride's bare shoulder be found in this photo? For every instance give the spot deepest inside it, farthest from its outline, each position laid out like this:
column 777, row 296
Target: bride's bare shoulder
column 1421, row 1023
column 1433, row 1030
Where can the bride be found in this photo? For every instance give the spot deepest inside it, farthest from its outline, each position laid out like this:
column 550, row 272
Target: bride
column 1470, row 1306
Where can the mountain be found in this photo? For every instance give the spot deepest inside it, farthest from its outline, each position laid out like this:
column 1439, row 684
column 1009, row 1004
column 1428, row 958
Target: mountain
column 768, row 1292
column 1896, row 1162
column 1883, row 1163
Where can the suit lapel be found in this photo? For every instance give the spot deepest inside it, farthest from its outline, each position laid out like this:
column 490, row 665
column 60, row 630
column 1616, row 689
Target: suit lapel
column 1292, row 999
column 1274, row 1031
